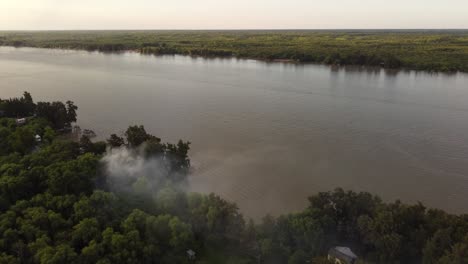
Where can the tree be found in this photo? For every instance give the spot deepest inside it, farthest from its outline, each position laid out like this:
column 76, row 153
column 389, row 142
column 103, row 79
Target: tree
column 63, row 253
column 136, row 135
column 49, row 134
column 103, row 206
column 29, row 105
column 154, row 148
column 28, row 98
column 181, row 235
column 87, row 230
column 71, row 112
column 55, row 112
column 19, row 107
column 458, row 254
column 92, row 252
column 73, row 177
column 8, row 259
column 22, row 140
column 177, row 156
column 298, row 257
column 115, row 141
column 437, row 246
column 87, row 146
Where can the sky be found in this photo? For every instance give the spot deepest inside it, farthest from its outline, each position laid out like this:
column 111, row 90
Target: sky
column 233, row 14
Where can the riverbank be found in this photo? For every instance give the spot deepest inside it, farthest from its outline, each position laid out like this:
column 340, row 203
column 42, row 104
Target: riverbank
column 241, row 113
column 444, row 51
column 124, row 200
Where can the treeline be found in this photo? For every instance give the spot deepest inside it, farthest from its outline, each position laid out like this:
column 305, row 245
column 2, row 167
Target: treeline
column 432, row 51
column 204, row 52
column 25, row 120
column 342, row 57
column 59, row 115
column 60, row 204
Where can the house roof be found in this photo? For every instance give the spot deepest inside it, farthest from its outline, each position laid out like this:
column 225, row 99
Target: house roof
column 346, row 251
column 343, row 253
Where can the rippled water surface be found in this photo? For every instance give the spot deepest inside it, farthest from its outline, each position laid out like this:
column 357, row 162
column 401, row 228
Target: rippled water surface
column 268, row 135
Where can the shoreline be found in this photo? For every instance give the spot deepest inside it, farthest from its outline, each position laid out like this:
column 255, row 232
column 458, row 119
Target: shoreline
column 279, row 61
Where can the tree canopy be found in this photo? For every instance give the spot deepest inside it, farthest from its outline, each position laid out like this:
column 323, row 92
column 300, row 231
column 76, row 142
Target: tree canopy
column 58, row 204
column 436, row 50
column 58, row 114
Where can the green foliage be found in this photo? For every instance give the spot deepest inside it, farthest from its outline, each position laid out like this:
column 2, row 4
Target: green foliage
column 115, row 141
column 72, row 177
column 298, row 257
column 57, row 206
column 136, row 135
column 22, row 140
column 422, row 50
column 59, row 114
column 87, row 146
column 49, row 134
column 458, row 254
column 18, row 107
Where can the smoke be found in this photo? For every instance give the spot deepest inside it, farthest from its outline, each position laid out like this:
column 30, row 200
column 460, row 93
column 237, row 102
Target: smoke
column 129, row 170
column 124, row 162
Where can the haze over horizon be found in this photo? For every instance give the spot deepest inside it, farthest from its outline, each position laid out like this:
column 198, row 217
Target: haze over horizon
column 240, row 14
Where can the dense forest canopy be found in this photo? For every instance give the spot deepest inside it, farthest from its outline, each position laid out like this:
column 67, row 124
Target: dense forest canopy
column 422, row 50
column 125, row 201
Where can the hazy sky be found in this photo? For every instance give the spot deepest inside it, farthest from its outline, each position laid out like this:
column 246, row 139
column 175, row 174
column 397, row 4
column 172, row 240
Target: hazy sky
column 233, row 14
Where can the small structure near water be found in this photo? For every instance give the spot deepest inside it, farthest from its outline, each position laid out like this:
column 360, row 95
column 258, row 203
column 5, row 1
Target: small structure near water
column 191, row 254
column 20, row 121
column 342, row 255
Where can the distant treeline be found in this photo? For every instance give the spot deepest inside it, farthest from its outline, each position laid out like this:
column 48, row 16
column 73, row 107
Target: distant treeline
column 59, row 204
column 425, row 50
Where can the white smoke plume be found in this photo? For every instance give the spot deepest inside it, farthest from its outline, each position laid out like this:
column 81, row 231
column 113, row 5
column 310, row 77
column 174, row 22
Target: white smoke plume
column 130, row 171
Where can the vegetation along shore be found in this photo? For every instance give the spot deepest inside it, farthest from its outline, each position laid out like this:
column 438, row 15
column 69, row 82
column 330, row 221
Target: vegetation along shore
column 432, row 50
column 125, row 201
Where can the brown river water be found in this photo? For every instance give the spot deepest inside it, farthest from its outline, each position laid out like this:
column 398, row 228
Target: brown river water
column 268, row 135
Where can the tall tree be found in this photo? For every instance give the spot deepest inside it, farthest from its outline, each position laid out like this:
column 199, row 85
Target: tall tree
column 136, row 135
column 71, row 112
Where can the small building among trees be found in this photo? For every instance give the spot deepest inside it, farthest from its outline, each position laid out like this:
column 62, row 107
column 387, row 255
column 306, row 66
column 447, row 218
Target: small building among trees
column 342, row 255
column 20, row 121
column 191, row 254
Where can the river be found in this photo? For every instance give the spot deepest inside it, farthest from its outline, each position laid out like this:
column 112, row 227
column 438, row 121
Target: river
column 268, row 135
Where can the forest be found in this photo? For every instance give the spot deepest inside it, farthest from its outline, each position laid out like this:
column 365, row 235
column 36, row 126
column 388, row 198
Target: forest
column 445, row 51
column 68, row 201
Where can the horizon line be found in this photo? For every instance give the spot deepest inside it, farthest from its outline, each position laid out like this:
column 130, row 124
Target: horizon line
column 246, row 29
